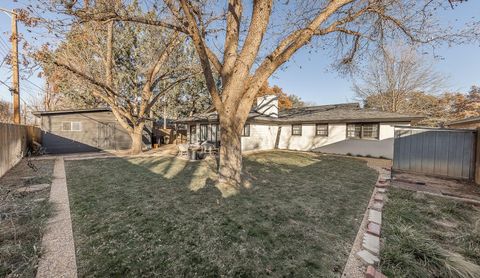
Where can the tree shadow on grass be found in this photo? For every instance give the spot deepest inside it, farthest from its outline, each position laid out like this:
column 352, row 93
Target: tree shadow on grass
column 144, row 217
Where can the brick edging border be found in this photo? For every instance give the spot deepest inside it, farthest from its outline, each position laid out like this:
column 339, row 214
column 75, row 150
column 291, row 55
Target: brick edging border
column 370, row 248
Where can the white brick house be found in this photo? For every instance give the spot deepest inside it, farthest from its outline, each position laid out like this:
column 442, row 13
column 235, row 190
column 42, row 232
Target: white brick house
column 338, row 128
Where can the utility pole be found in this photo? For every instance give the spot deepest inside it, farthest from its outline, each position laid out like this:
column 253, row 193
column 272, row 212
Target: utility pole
column 16, row 81
column 16, row 84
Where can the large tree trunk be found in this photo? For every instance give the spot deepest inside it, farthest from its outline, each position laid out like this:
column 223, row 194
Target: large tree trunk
column 137, row 142
column 230, row 162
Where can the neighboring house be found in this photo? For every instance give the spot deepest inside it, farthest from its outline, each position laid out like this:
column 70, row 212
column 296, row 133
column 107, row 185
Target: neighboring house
column 338, row 128
column 468, row 123
column 84, row 130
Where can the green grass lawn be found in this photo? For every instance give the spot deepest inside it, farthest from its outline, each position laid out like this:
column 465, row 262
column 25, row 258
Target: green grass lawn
column 23, row 218
column 164, row 217
column 428, row 236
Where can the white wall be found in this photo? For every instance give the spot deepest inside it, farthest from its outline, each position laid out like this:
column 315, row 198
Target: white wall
column 337, row 141
column 263, row 137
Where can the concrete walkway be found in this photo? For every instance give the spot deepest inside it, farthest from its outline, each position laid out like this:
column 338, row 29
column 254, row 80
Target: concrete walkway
column 58, row 259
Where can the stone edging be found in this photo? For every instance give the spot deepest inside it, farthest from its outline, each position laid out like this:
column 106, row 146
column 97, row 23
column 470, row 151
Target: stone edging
column 370, row 250
column 355, row 266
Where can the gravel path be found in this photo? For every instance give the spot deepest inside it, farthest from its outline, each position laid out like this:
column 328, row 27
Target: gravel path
column 58, row 259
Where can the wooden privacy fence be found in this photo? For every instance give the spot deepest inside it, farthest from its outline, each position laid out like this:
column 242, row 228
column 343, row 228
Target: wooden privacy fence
column 14, row 140
column 440, row 152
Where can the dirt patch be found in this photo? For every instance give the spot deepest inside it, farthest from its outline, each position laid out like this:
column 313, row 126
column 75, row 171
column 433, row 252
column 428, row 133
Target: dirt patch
column 440, row 186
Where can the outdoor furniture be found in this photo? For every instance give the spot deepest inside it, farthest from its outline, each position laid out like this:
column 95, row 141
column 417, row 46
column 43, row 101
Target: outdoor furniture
column 208, row 148
column 183, row 149
column 193, row 151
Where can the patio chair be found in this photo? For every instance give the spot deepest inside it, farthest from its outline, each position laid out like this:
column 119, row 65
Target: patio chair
column 208, row 148
column 183, row 150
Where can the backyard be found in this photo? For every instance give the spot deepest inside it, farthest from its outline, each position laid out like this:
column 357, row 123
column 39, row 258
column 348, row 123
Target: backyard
column 163, row 216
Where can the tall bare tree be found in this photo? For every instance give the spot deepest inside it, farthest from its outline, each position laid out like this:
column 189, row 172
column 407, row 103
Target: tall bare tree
column 393, row 77
column 244, row 44
column 120, row 65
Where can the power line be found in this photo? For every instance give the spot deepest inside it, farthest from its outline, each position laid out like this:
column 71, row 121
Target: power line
column 4, row 52
column 4, row 45
column 30, row 94
column 5, row 84
column 30, row 89
column 33, row 84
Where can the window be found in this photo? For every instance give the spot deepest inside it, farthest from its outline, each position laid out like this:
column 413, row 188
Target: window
column 214, row 133
column 364, row 131
column 71, row 126
column 76, row 126
column 370, row 131
column 354, row 130
column 203, row 132
column 246, row 130
column 321, row 130
column 296, row 129
column 193, row 134
column 66, row 126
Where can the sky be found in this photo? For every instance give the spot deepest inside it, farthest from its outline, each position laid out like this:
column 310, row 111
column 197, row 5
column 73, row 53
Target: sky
column 308, row 75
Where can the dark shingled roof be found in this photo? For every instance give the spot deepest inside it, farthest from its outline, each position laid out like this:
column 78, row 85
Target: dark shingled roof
column 333, row 113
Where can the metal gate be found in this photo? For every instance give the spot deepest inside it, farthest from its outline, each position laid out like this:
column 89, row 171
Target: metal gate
column 440, row 152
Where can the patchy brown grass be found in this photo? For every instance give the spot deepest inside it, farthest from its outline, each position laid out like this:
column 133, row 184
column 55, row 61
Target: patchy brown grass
column 428, row 236
column 22, row 218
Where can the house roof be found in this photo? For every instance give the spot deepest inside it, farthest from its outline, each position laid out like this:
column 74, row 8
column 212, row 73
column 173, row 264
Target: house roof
column 333, row 113
column 70, row 111
column 464, row 121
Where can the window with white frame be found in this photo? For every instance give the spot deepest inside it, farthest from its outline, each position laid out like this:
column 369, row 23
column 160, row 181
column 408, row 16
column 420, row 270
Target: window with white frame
column 363, row 130
column 321, row 130
column 296, row 129
column 71, row 126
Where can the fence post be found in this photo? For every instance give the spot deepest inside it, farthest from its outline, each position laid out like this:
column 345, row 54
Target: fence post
column 477, row 159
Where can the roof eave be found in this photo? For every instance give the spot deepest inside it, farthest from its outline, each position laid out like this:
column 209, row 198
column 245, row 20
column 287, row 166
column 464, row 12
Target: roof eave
column 294, row 121
column 464, row 121
column 72, row 111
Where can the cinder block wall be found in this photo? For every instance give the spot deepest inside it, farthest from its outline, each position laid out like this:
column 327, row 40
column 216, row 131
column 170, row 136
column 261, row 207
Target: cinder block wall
column 14, row 140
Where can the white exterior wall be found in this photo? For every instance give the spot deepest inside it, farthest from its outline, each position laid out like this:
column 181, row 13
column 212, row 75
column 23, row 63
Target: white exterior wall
column 263, row 137
column 337, row 141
